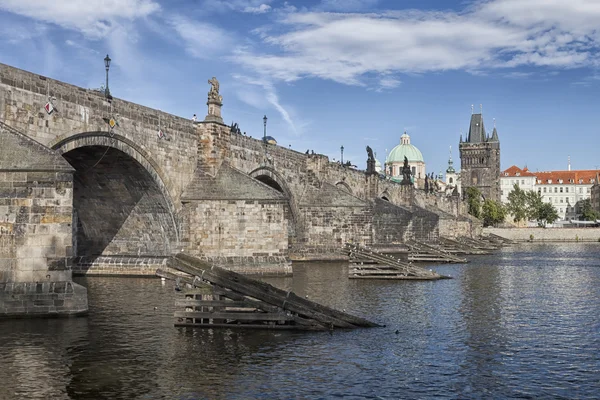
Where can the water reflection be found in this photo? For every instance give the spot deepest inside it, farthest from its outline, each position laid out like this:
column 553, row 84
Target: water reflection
column 524, row 322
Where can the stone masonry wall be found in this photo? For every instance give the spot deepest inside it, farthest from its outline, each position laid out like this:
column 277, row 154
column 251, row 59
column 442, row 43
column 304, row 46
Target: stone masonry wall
column 35, row 226
column 237, row 231
column 329, row 228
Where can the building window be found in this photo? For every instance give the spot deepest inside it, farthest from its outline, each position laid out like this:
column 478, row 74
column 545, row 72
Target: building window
column 561, row 190
column 414, row 171
column 502, row 193
column 566, row 190
column 522, row 181
column 561, row 199
column 450, row 180
column 544, row 190
column 555, row 190
column 561, row 210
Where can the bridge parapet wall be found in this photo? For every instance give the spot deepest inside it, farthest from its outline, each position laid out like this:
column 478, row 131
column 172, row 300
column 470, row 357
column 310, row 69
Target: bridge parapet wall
column 84, row 112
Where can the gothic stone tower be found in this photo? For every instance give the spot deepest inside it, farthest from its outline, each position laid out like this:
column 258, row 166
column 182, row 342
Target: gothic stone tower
column 480, row 160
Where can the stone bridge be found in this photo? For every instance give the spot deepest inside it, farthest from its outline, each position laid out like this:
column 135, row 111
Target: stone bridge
column 104, row 186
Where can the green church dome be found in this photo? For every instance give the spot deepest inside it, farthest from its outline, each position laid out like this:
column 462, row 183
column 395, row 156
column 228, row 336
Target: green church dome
column 404, row 149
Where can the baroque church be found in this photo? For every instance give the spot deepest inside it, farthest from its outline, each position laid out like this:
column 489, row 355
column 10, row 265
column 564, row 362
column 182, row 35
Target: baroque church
column 395, row 161
column 480, row 160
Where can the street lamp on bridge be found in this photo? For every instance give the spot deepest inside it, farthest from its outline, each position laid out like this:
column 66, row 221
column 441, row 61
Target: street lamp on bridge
column 342, row 159
column 107, row 65
column 265, row 130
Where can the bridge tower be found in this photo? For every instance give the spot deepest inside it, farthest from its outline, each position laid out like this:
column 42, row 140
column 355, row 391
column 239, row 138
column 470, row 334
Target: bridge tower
column 480, row 159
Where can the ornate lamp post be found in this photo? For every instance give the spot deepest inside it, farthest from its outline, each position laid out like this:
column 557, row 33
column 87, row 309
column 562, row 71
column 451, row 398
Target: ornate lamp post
column 265, row 130
column 107, row 65
column 342, row 149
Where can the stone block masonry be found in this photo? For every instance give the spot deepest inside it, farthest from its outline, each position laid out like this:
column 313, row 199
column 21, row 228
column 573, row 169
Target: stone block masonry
column 36, row 247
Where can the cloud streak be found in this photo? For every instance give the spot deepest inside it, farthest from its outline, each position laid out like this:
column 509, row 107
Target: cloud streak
column 345, row 47
column 93, row 18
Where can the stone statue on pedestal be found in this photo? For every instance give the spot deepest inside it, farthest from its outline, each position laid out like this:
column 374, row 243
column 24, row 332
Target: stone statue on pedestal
column 215, row 102
column 406, row 173
column 370, row 161
column 213, row 93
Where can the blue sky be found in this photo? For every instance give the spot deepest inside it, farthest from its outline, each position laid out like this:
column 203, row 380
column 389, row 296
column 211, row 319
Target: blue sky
column 329, row 73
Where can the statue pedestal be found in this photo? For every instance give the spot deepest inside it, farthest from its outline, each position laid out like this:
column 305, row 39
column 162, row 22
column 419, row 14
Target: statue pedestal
column 371, row 167
column 214, row 111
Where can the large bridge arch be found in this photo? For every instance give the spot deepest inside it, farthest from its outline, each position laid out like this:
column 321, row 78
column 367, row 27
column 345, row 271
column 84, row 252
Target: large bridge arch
column 121, row 198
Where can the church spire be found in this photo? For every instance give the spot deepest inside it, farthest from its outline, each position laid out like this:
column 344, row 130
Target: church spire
column 450, row 169
column 494, row 133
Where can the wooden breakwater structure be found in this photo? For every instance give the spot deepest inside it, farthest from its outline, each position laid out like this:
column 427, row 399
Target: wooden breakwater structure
column 219, row 298
column 367, row 263
column 424, row 252
column 469, row 246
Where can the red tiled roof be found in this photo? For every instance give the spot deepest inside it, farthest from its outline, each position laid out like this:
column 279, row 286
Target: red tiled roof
column 514, row 170
column 587, row 176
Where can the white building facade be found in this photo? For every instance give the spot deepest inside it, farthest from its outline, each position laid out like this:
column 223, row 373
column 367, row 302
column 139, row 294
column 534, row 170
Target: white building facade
column 563, row 189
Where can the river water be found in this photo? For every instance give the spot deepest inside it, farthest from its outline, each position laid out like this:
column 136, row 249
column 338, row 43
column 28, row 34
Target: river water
column 521, row 323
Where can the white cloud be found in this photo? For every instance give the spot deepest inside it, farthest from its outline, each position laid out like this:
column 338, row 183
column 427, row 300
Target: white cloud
column 250, row 97
column 245, row 6
column 93, row 18
column 263, row 8
column 493, row 34
column 201, row 39
column 388, row 82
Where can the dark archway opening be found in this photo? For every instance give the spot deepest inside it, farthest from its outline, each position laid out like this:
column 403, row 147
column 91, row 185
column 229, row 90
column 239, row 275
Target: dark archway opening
column 118, row 208
column 267, row 180
column 384, row 198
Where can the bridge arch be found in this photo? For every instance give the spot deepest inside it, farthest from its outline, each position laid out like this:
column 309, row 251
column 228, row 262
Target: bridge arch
column 342, row 185
column 121, row 198
column 272, row 178
column 385, row 195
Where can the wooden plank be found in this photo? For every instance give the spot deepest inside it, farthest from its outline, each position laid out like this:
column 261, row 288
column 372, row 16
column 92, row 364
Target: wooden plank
column 268, row 293
column 211, row 303
column 245, row 316
column 397, row 277
column 250, row 326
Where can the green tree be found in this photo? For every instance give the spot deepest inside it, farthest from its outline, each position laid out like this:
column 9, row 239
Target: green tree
column 474, row 201
column 587, row 212
column 493, row 212
column 534, row 203
column 547, row 214
column 517, row 204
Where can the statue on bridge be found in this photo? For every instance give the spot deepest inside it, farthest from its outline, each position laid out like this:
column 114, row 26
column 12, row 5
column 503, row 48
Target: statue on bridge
column 213, row 93
column 370, row 161
column 406, row 173
column 215, row 102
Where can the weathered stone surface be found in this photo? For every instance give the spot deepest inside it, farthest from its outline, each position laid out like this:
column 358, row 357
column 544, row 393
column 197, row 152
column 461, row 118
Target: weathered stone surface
column 35, row 230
